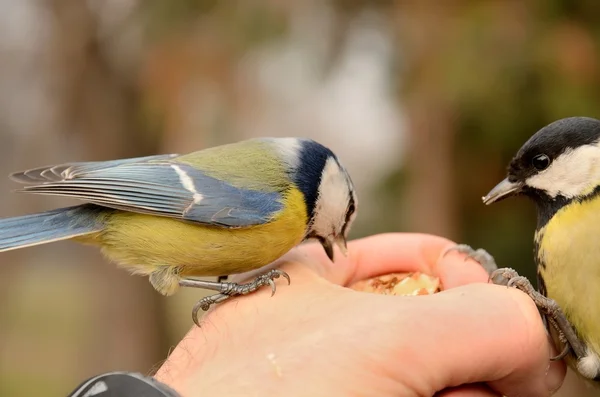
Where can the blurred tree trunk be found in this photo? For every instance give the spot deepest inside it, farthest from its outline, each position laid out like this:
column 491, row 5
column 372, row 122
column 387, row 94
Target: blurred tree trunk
column 425, row 30
column 99, row 113
column 87, row 112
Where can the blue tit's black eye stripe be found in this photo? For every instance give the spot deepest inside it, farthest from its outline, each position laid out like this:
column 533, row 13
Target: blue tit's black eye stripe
column 307, row 176
column 349, row 212
column 164, row 188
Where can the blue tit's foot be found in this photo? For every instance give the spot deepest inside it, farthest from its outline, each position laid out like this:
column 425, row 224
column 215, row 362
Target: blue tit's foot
column 227, row 290
column 548, row 307
column 480, row 256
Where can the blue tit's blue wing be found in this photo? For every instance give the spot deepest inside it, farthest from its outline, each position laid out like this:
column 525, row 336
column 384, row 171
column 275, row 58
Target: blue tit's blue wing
column 155, row 185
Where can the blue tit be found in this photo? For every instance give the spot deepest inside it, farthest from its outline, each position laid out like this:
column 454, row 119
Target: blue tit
column 558, row 168
column 215, row 212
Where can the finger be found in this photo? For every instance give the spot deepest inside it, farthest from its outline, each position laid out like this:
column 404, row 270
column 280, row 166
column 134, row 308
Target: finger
column 393, row 252
column 477, row 333
column 455, row 269
column 469, row 391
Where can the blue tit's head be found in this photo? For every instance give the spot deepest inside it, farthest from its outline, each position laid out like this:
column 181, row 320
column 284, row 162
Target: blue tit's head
column 558, row 164
column 327, row 188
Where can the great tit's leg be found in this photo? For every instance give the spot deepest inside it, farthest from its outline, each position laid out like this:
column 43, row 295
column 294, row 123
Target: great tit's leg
column 221, row 279
column 227, row 289
column 480, row 256
column 547, row 306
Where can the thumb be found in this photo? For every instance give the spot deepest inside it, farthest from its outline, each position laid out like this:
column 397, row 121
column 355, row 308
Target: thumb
column 478, row 333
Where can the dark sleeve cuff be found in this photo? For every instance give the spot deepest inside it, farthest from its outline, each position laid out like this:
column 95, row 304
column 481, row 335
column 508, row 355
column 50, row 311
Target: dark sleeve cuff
column 123, row 384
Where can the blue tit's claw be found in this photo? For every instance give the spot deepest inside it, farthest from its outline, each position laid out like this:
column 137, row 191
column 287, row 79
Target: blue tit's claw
column 228, row 290
column 273, row 287
column 205, row 303
column 479, row 255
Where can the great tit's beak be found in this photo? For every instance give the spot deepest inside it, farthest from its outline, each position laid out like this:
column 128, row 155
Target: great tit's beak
column 328, row 243
column 502, row 190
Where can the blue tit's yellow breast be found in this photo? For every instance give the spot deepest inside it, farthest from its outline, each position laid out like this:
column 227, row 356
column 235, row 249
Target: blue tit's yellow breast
column 144, row 243
column 569, row 249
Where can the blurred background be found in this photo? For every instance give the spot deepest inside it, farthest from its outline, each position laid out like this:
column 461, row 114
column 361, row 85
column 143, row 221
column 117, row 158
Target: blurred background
column 424, row 101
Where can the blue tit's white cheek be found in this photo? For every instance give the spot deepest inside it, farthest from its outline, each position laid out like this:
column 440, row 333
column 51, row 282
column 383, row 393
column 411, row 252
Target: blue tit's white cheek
column 574, row 173
column 332, row 201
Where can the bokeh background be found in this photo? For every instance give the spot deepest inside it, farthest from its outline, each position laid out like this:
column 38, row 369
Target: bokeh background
column 424, row 101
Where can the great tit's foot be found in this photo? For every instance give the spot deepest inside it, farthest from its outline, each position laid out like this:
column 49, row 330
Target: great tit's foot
column 503, row 275
column 479, row 255
column 221, row 279
column 227, row 289
column 548, row 307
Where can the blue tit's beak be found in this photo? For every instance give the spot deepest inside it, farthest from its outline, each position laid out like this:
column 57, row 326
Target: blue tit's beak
column 328, row 244
column 503, row 190
column 328, row 247
column 342, row 244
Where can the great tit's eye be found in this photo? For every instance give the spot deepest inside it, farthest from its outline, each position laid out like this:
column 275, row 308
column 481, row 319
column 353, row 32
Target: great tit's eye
column 540, row 162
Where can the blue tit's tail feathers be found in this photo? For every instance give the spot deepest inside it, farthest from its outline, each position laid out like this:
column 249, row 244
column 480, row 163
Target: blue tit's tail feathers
column 50, row 226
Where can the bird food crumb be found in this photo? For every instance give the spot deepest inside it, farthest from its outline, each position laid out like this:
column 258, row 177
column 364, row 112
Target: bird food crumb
column 401, row 284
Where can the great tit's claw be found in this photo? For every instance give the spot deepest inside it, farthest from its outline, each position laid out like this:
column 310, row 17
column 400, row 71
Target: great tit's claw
column 564, row 352
column 505, row 274
column 479, row 255
column 549, row 309
column 227, row 289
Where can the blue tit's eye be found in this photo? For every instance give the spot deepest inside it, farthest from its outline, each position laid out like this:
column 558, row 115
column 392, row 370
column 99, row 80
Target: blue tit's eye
column 351, row 209
column 540, row 162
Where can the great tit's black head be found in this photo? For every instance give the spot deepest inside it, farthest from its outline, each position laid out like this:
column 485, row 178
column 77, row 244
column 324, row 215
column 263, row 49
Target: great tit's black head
column 329, row 194
column 558, row 163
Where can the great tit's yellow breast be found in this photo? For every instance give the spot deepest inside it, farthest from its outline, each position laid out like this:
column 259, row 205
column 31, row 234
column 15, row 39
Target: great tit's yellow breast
column 144, row 243
column 569, row 262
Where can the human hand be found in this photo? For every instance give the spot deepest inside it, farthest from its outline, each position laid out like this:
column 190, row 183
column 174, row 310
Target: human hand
column 316, row 338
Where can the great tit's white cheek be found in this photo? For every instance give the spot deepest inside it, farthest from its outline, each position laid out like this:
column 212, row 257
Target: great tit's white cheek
column 573, row 173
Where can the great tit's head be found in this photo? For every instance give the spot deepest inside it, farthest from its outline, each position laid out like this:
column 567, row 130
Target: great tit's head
column 328, row 192
column 559, row 163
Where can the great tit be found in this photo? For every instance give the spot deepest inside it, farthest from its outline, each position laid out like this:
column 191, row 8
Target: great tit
column 558, row 168
column 215, row 212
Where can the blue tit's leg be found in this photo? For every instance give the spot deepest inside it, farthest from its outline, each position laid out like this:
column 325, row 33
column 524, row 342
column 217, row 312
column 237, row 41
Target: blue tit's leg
column 548, row 307
column 480, row 255
column 227, row 290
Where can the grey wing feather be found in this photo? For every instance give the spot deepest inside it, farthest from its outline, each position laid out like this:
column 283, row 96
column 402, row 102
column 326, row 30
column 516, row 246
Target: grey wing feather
column 62, row 171
column 155, row 185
